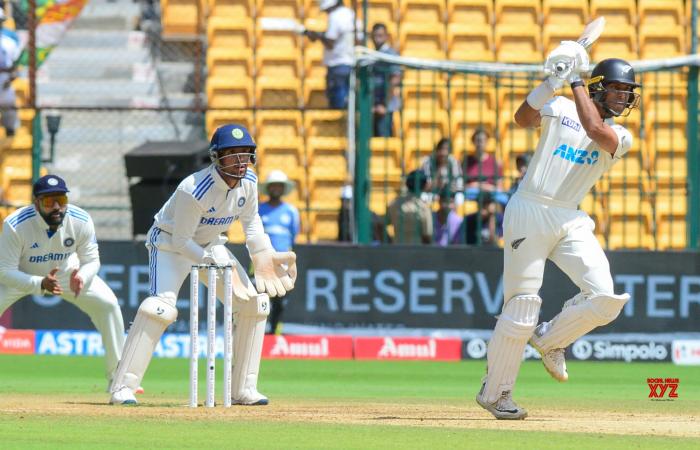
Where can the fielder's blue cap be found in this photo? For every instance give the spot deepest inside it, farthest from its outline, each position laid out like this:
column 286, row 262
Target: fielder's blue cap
column 49, row 184
column 232, row 135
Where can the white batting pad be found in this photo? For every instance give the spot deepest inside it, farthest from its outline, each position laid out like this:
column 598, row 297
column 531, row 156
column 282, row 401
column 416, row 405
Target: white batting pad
column 505, row 349
column 579, row 316
column 248, row 335
column 154, row 315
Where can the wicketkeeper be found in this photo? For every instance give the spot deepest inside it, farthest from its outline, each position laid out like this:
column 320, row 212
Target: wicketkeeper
column 191, row 229
column 579, row 142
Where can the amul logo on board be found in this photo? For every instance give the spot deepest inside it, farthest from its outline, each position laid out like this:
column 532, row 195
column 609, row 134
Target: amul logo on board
column 663, row 388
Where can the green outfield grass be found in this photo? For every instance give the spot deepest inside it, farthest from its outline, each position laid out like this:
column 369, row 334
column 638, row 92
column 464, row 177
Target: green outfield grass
column 59, row 402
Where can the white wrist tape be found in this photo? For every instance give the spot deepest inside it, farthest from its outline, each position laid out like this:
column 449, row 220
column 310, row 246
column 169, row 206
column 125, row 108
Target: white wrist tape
column 258, row 243
column 540, row 95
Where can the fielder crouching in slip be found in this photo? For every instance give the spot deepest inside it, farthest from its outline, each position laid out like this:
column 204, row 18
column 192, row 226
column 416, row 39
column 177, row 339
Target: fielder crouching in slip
column 49, row 248
column 578, row 143
column 191, row 229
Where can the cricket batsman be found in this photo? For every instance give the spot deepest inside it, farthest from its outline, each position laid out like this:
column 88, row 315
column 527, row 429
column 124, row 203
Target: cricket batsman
column 579, row 142
column 191, row 229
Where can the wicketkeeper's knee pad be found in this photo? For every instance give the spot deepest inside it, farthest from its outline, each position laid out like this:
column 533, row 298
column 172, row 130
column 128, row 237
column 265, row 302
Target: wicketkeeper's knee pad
column 155, row 314
column 249, row 332
column 505, row 349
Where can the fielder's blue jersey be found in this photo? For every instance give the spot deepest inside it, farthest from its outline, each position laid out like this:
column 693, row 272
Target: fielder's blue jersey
column 281, row 224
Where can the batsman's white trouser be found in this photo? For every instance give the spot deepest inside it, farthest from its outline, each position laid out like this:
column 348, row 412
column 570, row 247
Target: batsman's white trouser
column 97, row 301
column 535, row 231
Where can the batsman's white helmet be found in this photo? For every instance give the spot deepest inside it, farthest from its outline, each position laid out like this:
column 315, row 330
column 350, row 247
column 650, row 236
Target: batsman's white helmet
column 325, row 5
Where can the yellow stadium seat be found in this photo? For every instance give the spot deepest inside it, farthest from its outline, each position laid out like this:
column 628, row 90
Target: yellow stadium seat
column 472, row 43
column 519, row 12
column 283, row 124
column 385, row 160
column 671, row 168
column 517, row 140
column 26, row 117
column 228, row 62
column 628, row 173
column 554, row 33
column 661, row 12
column 388, row 146
column 280, row 8
column 217, row 118
column 232, row 8
column 21, row 142
column 422, row 40
column 383, row 192
column 421, row 11
column 518, row 44
column 384, row 11
column 629, row 203
column 670, row 202
column 618, row 41
column 327, row 158
column 331, row 123
column 227, row 33
column 424, row 96
column 616, row 12
column 283, row 154
column 565, row 12
column 463, row 122
column 225, row 92
column 313, row 62
column 665, row 107
column 672, row 80
column 273, row 92
column 672, row 232
column 628, row 233
column 18, row 190
column 661, row 41
column 278, row 62
column 278, row 39
column 179, row 17
column 666, row 138
column 473, row 12
column 324, row 193
column 324, row 226
column 315, row 93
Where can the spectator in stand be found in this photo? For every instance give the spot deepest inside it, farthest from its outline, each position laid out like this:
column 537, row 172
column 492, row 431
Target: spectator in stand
column 443, row 172
column 386, row 82
column 446, row 222
column 481, row 170
column 521, row 163
column 338, row 57
column 485, row 226
column 410, row 215
column 10, row 52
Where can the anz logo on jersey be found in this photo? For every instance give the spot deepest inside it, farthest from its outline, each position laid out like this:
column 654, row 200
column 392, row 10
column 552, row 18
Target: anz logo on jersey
column 577, row 156
column 217, row 220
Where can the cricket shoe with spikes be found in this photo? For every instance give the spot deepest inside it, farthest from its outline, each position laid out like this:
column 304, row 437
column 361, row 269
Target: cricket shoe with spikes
column 504, row 408
column 123, row 396
column 254, row 398
column 553, row 360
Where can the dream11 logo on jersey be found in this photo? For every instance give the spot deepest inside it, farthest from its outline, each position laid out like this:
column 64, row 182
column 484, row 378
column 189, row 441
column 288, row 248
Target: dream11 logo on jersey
column 660, row 387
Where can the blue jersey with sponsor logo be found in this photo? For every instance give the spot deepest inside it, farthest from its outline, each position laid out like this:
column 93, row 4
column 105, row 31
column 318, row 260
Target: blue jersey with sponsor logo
column 30, row 251
column 202, row 209
column 281, row 224
column 567, row 163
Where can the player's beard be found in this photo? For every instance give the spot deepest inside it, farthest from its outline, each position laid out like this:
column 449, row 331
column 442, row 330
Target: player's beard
column 54, row 218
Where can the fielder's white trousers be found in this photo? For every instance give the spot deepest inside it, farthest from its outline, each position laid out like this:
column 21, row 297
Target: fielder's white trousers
column 555, row 231
column 97, row 301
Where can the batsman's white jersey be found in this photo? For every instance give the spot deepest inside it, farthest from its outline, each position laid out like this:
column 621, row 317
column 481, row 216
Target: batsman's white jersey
column 30, row 251
column 542, row 220
column 567, row 163
column 197, row 216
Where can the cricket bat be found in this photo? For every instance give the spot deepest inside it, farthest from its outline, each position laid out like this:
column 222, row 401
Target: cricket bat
column 589, row 35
